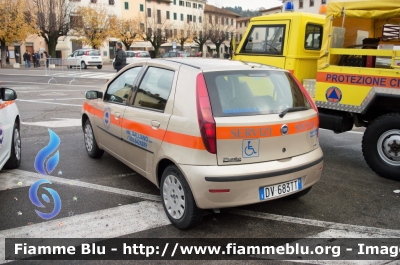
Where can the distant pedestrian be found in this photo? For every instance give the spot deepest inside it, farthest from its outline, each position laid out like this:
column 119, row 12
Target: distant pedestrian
column 120, row 57
column 37, row 59
column 48, row 56
column 215, row 55
column 26, row 59
column 34, row 59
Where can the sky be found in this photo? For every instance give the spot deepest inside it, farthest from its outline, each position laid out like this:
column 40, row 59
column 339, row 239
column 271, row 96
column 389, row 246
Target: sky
column 245, row 4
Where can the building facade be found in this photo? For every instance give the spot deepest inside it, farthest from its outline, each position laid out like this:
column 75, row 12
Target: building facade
column 310, row 6
column 223, row 20
column 241, row 26
column 273, row 10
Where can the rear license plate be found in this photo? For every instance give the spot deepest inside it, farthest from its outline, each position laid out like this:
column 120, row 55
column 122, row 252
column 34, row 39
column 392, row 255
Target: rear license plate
column 280, row 189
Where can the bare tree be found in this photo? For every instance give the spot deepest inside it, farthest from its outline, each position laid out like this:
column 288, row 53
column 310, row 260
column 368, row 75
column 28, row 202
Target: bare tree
column 156, row 28
column 219, row 33
column 203, row 34
column 53, row 20
column 186, row 34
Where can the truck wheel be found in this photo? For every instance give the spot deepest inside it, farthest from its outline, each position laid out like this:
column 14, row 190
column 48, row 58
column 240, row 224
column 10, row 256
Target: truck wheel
column 177, row 199
column 381, row 146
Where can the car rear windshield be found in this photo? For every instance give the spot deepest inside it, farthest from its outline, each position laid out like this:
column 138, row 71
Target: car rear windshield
column 94, row 52
column 245, row 93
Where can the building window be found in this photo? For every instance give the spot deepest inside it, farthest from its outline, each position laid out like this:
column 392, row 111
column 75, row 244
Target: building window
column 209, row 18
column 311, row 2
column 226, row 35
column 142, row 27
column 323, row 2
column 126, row 5
column 194, row 19
column 167, row 14
column 181, row 17
column 111, row 2
column 188, row 4
column 237, row 36
column 174, row 2
column 175, row 16
column 231, row 21
column 240, row 38
column 149, row 32
column 141, row 7
column 93, row 1
column 181, row 3
column 313, row 37
column 175, row 33
column 159, row 16
column 216, row 19
column 158, row 2
column 200, row 6
column 194, row 5
column 200, row 21
column 240, row 24
column 301, row 4
column 227, row 21
column 189, row 18
column 245, row 24
column 148, row 12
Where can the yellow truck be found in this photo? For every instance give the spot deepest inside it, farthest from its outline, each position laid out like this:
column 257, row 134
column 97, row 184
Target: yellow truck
column 349, row 62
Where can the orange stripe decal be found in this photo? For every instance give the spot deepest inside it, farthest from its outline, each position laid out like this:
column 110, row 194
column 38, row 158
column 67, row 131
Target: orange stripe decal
column 184, row 140
column 266, row 131
column 6, row 103
column 359, row 80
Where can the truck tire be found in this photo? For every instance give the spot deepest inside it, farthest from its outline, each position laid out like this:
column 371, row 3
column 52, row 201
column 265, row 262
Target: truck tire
column 381, row 146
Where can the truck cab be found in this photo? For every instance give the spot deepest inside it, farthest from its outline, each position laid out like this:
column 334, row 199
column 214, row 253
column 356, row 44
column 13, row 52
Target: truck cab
column 348, row 61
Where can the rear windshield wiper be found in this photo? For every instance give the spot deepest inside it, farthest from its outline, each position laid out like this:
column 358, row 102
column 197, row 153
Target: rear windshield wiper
column 283, row 113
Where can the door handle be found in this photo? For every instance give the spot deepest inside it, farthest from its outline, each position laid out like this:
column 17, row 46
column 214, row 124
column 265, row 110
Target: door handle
column 117, row 115
column 155, row 124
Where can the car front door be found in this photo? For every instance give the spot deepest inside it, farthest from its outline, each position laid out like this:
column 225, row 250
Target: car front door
column 111, row 109
column 146, row 120
column 8, row 113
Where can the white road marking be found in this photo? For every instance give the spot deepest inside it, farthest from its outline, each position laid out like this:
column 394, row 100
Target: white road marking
column 317, row 223
column 53, row 103
column 50, row 99
column 56, row 124
column 36, row 83
column 108, row 223
column 17, row 173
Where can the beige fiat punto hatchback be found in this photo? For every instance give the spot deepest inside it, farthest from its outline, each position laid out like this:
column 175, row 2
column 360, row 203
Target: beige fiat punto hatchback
column 209, row 133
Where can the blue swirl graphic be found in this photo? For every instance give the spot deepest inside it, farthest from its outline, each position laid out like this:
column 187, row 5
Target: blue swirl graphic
column 45, row 152
column 35, row 200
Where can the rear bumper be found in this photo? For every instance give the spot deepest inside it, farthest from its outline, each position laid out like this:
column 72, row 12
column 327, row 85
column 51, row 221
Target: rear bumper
column 244, row 181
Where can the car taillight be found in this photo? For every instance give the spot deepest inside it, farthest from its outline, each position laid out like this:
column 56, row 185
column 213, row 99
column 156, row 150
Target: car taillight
column 309, row 99
column 87, row 53
column 205, row 116
column 137, row 54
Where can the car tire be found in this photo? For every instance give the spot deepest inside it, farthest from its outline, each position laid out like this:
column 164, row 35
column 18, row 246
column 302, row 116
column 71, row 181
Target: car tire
column 298, row 194
column 15, row 154
column 99, row 66
column 83, row 65
column 91, row 146
column 181, row 210
column 381, row 146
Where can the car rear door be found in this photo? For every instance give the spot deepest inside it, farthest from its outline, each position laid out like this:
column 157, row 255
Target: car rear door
column 246, row 107
column 146, row 120
column 7, row 116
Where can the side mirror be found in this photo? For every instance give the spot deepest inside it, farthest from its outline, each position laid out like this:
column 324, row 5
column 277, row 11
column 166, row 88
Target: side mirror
column 8, row 94
column 280, row 39
column 92, row 94
column 250, row 39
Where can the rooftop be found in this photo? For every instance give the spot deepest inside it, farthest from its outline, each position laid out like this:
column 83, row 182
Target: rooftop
column 214, row 9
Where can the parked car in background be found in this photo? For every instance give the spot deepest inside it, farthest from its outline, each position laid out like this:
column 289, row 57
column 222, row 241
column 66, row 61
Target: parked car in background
column 10, row 122
column 85, row 58
column 134, row 56
column 210, row 133
column 176, row 54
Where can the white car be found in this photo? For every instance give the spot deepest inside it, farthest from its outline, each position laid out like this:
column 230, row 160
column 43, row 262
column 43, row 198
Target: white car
column 135, row 56
column 85, row 58
column 10, row 121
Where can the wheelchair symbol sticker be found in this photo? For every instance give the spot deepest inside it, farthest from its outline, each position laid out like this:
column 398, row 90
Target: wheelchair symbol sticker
column 250, row 148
